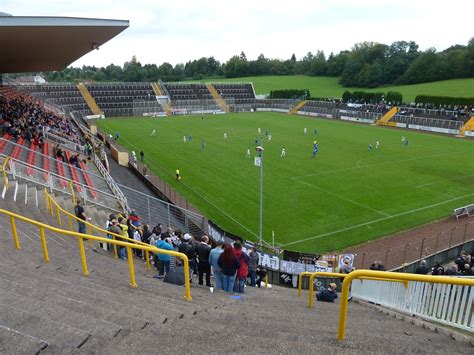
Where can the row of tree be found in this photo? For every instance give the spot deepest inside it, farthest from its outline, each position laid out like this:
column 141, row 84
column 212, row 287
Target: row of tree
column 367, row 64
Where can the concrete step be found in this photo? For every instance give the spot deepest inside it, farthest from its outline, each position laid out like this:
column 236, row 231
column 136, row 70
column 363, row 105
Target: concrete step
column 15, row 342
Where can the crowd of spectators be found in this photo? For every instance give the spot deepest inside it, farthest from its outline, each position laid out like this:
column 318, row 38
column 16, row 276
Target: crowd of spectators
column 229, row 265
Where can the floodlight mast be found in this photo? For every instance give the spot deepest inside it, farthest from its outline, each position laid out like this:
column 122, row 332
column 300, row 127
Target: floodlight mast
column 260, row 149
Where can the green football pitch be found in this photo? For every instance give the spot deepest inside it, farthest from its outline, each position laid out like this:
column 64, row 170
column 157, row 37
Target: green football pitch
column 345, row 196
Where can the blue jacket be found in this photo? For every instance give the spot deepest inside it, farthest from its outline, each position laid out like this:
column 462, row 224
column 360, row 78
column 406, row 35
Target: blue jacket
column 163, row 244
column 214, row 256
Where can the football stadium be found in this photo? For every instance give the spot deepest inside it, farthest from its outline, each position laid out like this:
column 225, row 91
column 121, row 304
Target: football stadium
column 326, row 200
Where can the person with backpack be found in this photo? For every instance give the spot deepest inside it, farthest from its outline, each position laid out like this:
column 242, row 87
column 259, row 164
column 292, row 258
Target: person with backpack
column 243, row 270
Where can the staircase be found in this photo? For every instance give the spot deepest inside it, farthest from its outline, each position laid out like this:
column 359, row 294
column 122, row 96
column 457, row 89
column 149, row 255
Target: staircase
column 159, row 92
column 468, row 126
column 384, row 121
column 89, row 99
column 220, row 101
column 295, row 109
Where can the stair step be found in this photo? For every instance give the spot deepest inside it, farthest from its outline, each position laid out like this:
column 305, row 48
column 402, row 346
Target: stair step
column 15, row 342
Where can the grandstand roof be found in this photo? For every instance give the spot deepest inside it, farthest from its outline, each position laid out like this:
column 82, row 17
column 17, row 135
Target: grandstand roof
column 31, row 44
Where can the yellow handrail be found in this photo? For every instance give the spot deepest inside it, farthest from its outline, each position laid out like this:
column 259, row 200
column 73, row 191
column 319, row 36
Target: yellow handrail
column 388, row 276
column 5, row 179
column 129, row 246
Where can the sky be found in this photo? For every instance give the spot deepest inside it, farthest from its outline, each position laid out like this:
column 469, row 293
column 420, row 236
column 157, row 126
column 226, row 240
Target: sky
column 182, row 30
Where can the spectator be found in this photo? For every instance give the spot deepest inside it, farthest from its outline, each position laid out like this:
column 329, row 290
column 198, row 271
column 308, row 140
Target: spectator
column 229, row 265
column 253, row 264
column 377, row 266
column 163, row 259
column 203, row 251
column 261, row 275
column 346, row 267
column 146, row 234
column 114, row 228
column 82, row 217
column 422, row 269
column 124, row 227
column 216, row 269
column 137, row 236
column 186, row 247
column 133, row 217
column 243, row 270
column 463, row 259
column 327, row 294
column 452, row 271
column 437, row 270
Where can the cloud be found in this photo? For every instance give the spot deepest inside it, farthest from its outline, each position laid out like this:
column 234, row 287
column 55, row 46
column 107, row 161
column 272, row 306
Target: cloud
column 180, row 30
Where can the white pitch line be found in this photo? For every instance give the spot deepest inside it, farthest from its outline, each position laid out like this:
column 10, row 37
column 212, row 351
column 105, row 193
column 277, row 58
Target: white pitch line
column 375, row 221
column 343, row 198
column 371, row 165
column 442, row 180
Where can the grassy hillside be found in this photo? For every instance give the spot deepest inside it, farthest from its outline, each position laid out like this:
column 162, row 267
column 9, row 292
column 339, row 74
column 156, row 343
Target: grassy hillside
column 329, row 87
column 345, row 196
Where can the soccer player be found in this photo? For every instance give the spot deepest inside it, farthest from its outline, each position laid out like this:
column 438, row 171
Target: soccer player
column 153, row 133
column 178, row 177
column 405, row 142
column 203, row 145
column 117, row 135
column 403, row 139
column 315, row 132
column 247, row 155
column 305, row 130
column 369, row 148
column 315, row 149
column 184, row 139
column 269, row 137
column 259, row 130
column 142, row 155
column 256, row 140
column 283, row 152
column 266, row 132
column 190, row 138
column 225, row 135
column 377, row 145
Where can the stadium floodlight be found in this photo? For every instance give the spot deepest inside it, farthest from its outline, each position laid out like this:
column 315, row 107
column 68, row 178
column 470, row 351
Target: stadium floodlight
column 260, row 149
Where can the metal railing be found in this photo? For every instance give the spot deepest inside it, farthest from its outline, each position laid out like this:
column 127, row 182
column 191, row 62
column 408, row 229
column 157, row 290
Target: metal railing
column 129, row 246
column 389, row 277
column 446, row 304
column 56, row 182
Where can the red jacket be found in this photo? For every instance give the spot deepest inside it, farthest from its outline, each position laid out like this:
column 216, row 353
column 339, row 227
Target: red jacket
column 243, row 270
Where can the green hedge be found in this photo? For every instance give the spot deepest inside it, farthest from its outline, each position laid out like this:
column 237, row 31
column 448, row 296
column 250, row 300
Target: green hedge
column 445, row 100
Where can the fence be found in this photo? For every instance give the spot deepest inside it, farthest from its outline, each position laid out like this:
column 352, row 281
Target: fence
column 443, row 303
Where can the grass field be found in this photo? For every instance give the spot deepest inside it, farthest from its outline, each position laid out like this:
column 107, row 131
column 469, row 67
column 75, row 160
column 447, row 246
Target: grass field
column 345, row 196
column 329, row 86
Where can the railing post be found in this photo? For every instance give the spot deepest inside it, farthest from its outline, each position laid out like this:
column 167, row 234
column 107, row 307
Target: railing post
column 43, row 244
column 58, row 213
column 386, row 256
column 187, row 287
column 14, row 232
column 451, row 240
column 422, row 246
column 70, row 223
column 82, row 252
column 436, row 243
column 115, row 248
column 311, row 290
column 464, row 236
column 405, row 256
column 90, row 233
column 133, row 282
column 266, row 280
column 147, row 260
column 363, row 259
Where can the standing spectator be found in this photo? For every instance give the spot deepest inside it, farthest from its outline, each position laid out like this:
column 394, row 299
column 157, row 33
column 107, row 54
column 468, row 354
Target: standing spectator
column 114, row 228
column 163, row 259
column 463, row 259
column 327, row 294
column 253, row 264
column 422, row 269
column 146, row 234
column 347, row 268
column 122, row 252
column 203, row 250
column 229, row 265
column 142, row 155
column 108, row 224
column 243, row 270
column 82, row 217
column 137, row 236
column 216, row 269
column 133, row 217
column 186, row 247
